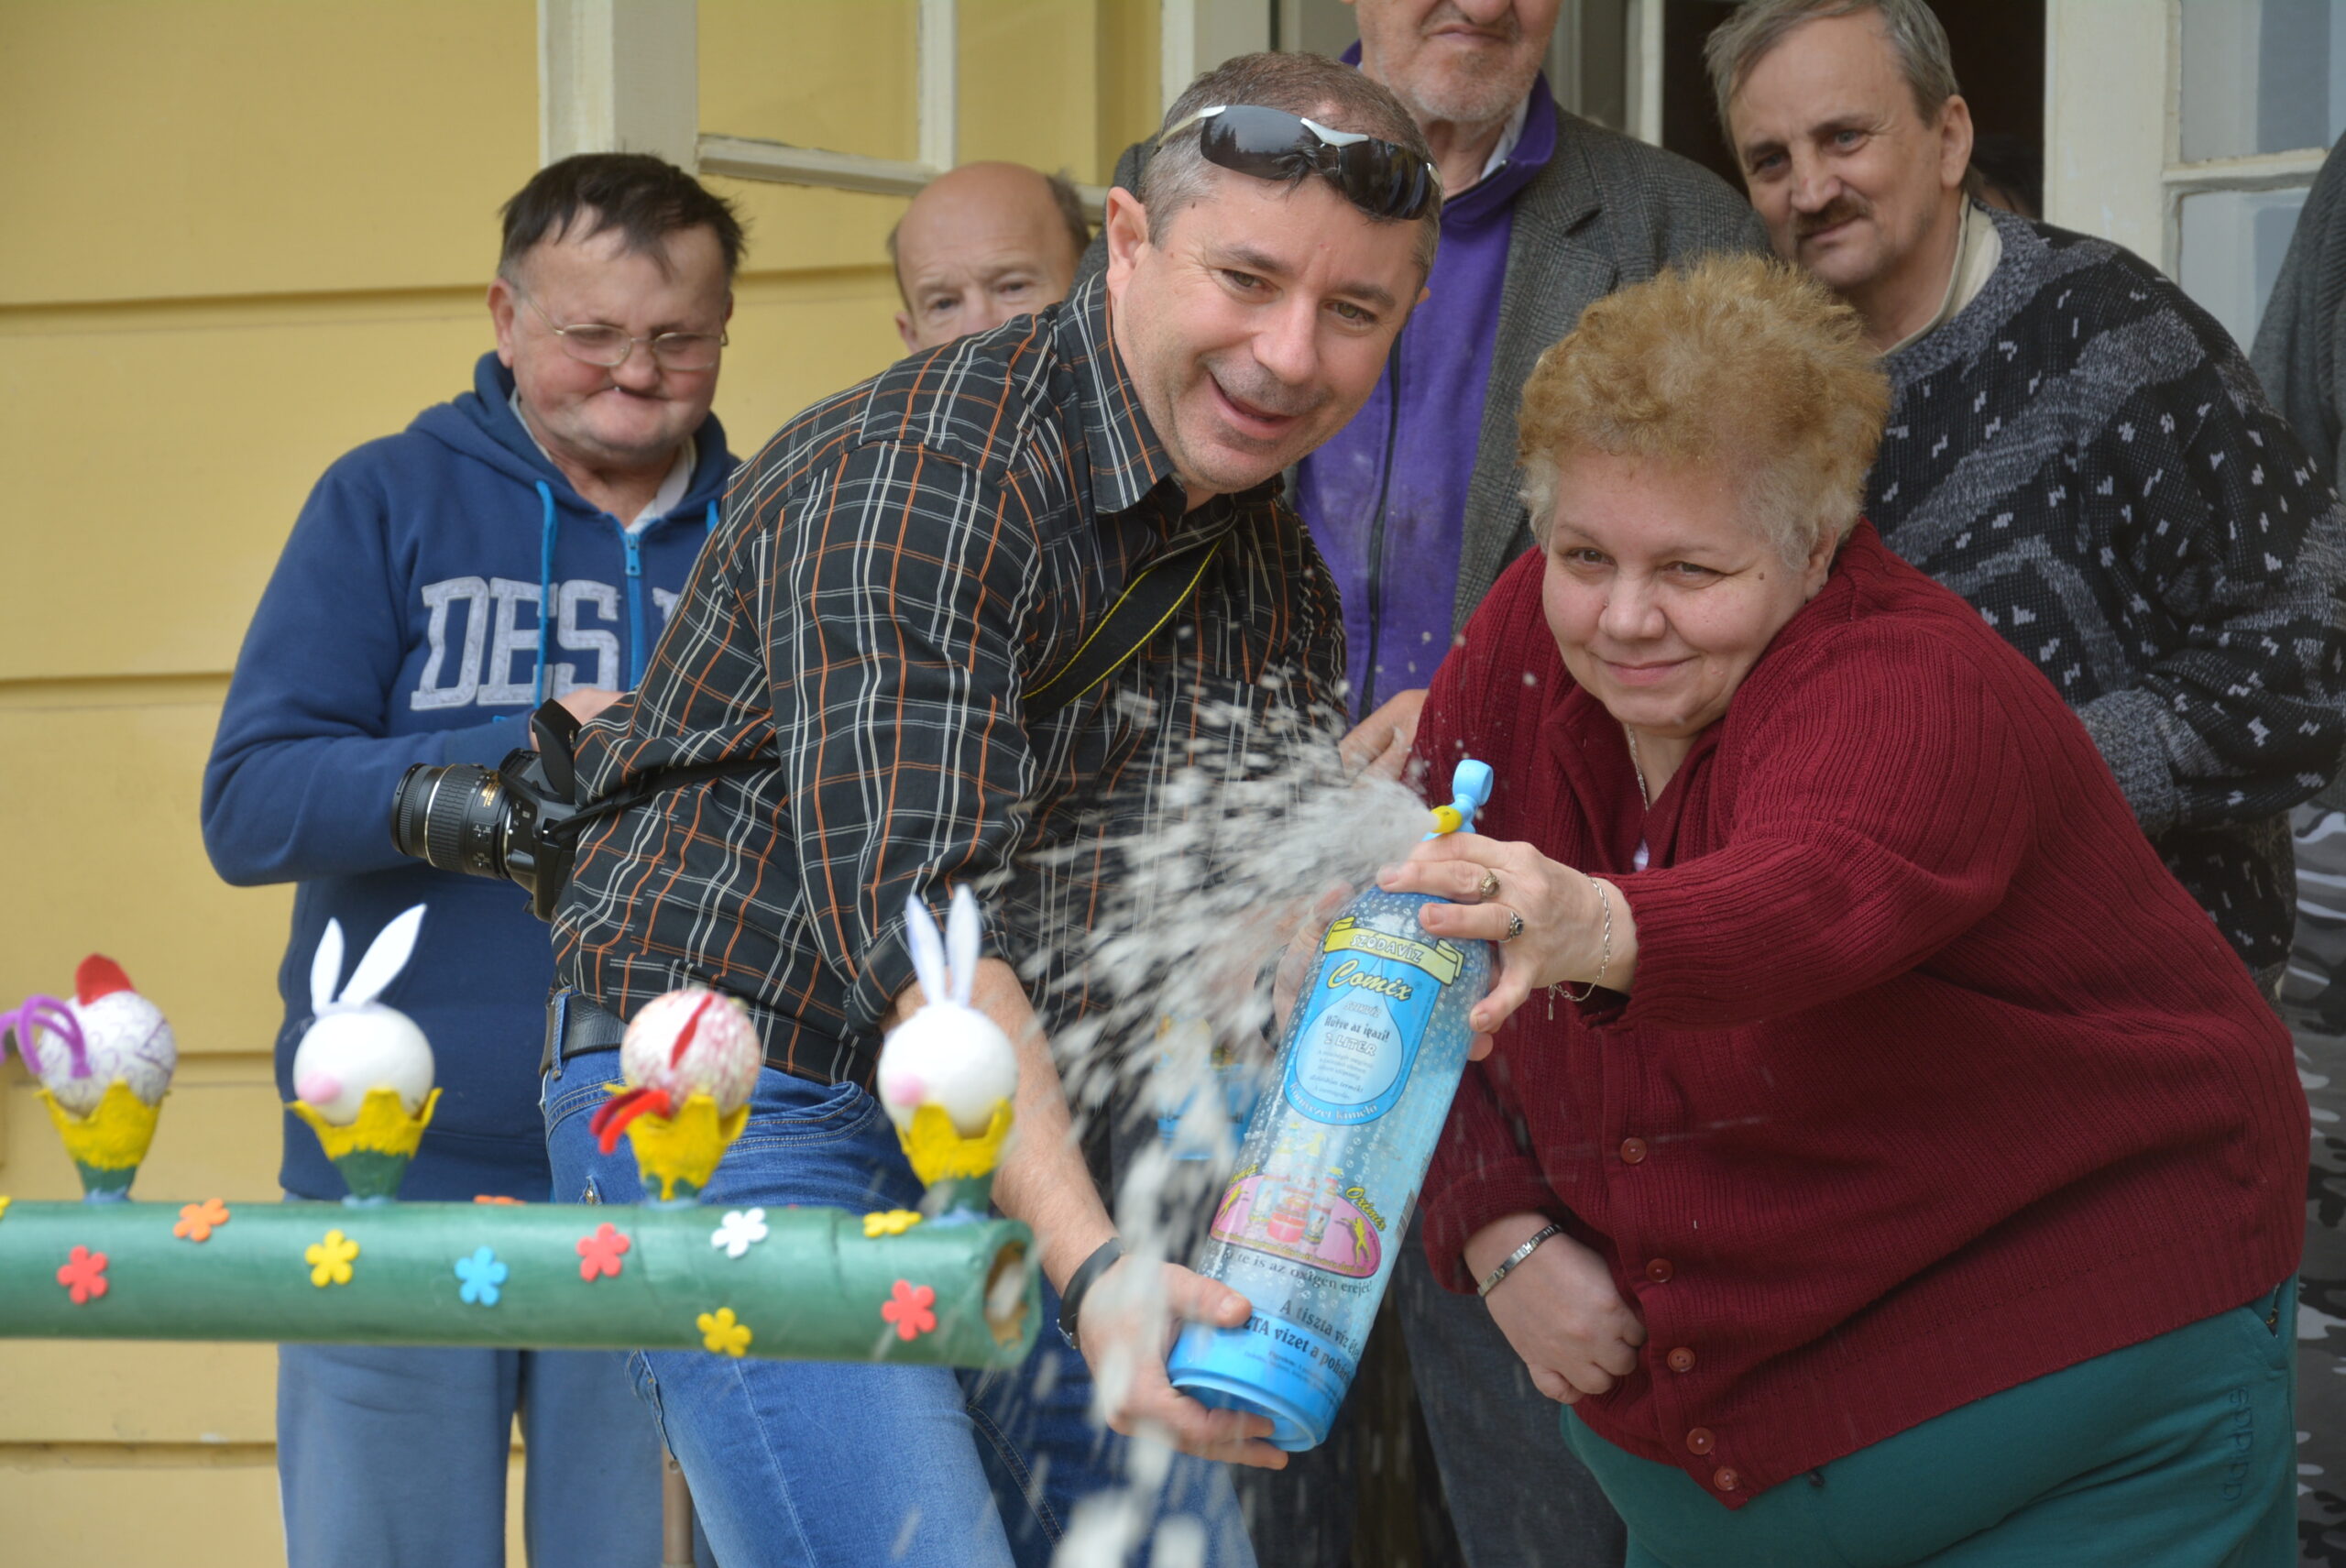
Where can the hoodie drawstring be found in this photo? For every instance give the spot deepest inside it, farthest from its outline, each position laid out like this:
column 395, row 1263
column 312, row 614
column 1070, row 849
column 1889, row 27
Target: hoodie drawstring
column 546, row 593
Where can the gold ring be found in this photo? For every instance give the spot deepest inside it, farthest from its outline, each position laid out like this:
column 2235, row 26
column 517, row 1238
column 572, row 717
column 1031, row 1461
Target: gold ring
column 1514, row 926
column 1489, row 886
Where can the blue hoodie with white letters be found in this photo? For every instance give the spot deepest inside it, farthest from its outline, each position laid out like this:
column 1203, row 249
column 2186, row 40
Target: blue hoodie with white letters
column 402, row 625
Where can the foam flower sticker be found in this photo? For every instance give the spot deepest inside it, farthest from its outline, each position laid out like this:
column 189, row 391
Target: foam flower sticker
column 3, row 1208
column 83, row 1275
column 737, row 1230
column 497, row 1197
column 724, row 1333
column 198, row 1220
column 909, row 1309
column 890, row 1222
column 599, row 1255
column 329, row 1260
column 481, row 1274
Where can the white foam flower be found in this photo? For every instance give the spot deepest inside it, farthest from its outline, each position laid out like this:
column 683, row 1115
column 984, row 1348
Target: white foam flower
column 737, row 1231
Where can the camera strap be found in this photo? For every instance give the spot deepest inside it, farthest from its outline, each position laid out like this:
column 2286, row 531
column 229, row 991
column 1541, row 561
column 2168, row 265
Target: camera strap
column 1148, row 602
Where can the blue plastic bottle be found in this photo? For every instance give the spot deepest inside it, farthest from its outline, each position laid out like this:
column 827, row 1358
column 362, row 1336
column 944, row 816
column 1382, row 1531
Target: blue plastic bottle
column 1307, row 1230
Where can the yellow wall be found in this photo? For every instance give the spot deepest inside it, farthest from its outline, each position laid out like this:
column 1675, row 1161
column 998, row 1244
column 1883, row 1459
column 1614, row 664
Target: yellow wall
column 242, row 236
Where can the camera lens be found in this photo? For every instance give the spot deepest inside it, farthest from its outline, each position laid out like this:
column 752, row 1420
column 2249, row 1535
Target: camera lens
column 452, row 818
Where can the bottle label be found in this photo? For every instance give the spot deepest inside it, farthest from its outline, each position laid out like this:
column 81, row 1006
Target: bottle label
column 1374, row 997
column 1313, row 1222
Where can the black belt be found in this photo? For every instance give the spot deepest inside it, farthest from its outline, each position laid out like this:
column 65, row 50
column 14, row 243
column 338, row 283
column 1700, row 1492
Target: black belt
column 578, row 1024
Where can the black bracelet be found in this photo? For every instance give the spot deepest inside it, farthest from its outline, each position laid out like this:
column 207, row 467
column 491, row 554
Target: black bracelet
column 1078, row 1285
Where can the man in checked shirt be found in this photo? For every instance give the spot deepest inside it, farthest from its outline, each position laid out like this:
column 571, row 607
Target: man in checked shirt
column 900, row 571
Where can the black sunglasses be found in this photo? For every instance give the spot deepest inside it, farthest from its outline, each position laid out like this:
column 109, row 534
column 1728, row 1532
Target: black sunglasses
column 1380, row 178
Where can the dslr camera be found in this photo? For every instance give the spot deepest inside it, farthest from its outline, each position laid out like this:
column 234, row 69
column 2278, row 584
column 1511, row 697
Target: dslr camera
column 517, row 820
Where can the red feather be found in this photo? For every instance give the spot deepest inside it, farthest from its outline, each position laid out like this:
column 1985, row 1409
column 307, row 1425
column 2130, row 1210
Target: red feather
column 611, row 1119
column 98, row 976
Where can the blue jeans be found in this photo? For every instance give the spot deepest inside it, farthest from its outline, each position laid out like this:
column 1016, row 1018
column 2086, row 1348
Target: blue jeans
column 1054, row 1466
column 819, row 1462
column 389, row 1457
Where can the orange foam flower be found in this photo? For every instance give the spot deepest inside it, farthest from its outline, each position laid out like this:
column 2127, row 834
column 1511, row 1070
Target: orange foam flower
column 198, row 1220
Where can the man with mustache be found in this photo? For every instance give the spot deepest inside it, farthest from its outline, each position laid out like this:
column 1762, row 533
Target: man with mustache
column 2075, row 447
column 888, row 640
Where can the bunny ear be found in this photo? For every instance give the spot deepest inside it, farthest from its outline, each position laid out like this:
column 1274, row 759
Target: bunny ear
column 961, row 941
column 928, row 949
column 386, row 956
column 325, row 968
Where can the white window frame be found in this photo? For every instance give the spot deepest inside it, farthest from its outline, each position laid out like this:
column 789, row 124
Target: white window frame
column 2113, row 133
column 623, row 76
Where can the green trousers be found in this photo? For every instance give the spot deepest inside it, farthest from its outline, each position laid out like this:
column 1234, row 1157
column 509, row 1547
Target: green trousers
column 2178, row 1453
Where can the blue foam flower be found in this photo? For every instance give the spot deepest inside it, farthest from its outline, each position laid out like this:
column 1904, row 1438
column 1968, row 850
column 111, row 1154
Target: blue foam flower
column 481, row 1274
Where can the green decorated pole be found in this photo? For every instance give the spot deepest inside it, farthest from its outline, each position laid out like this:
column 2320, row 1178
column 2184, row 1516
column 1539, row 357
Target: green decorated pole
column 789, row 1284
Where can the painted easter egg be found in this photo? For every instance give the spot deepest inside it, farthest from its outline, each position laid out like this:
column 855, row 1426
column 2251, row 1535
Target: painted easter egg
column 350, row 1051
column 693, row 1041
column 125, row 1034
column 948, row 1056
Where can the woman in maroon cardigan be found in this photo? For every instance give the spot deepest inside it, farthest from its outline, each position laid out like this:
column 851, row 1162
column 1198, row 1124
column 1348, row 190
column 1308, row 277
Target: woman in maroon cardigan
column 1882, row 1153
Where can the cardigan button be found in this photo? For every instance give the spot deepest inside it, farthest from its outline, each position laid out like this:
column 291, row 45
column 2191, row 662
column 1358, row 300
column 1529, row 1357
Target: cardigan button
column 1700, row 1441
column 1660, row 1271
column 1633, row 1151
column 1681, row 1360
column 1726, row 1479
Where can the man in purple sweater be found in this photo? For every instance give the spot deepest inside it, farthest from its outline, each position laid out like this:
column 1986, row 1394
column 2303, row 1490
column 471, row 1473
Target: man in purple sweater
column 1416, row 505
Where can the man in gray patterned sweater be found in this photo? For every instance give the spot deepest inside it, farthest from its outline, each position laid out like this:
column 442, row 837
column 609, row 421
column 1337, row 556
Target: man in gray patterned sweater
column 2075, row 447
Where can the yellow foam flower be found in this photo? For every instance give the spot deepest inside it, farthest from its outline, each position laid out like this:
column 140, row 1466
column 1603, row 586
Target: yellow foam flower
column 890, row 1221
column 722, row 1331
column 329, row 1260
column 3, row 1208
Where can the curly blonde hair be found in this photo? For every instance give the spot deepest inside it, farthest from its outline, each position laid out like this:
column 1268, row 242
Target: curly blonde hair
column 1735, row 360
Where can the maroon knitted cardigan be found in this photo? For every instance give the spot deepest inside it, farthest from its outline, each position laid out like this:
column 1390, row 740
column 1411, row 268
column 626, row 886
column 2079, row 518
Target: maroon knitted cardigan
column 1931, row 1080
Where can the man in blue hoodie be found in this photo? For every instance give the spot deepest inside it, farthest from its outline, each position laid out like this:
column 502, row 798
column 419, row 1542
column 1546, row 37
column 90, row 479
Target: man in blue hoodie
column 526, row 541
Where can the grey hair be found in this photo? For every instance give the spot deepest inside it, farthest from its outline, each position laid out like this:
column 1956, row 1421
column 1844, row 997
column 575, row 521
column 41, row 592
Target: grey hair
column 1329, row 91
column 1738, row 44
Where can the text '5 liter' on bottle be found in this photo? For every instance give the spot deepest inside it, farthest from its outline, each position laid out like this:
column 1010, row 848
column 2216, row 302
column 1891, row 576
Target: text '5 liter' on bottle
column 1308, row 1228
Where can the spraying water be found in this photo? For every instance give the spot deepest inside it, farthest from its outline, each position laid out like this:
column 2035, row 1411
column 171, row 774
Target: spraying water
column 1176, row 976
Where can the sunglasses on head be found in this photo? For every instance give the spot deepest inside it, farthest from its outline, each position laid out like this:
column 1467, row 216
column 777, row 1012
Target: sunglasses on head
column 1380, row 178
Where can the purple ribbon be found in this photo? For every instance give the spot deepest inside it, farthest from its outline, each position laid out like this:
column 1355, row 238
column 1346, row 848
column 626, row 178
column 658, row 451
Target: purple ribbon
column 45, row 1012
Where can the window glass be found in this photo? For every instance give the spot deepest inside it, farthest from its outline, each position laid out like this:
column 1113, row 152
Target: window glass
column 2262, row 76
column 2232, row 243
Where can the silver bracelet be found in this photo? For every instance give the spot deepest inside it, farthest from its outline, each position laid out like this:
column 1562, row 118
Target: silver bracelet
column 1491, row 1282
column 1605, row 958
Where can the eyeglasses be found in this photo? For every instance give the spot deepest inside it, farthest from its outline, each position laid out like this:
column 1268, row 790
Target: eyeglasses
column 607, row 346
column 1380, row 178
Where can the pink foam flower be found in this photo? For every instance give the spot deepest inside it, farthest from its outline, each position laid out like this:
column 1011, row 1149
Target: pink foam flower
column 909, row 1309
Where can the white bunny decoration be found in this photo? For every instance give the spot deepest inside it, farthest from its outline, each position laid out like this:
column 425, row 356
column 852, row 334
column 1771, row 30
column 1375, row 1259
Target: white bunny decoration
column 357, row 1043
column 948, row 1054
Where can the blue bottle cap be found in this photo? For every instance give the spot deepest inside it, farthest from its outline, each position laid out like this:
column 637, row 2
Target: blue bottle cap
column 1269, row 1368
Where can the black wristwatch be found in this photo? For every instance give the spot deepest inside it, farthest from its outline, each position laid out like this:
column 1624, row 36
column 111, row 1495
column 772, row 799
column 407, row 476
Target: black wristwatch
column 1078, row 1285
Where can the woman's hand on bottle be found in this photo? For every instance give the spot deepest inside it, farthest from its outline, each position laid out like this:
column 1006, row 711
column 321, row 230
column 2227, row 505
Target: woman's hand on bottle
column 1559, row 1308
column 1562, row 941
